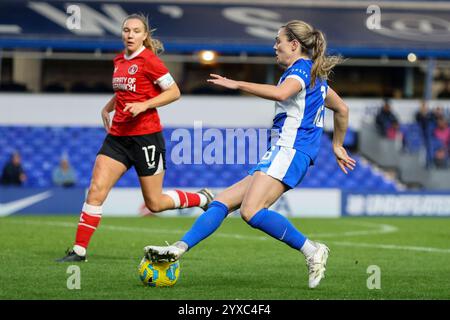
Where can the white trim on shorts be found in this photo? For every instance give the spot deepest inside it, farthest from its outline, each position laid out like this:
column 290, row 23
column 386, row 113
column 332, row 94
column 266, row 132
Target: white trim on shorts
column 281, row 163
column 160, row 165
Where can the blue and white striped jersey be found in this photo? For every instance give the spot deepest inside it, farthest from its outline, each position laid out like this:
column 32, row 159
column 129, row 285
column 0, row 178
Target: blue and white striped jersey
column 299, row 119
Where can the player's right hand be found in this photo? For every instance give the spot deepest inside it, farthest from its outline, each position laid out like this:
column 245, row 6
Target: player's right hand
column 343, row 160
column 106, row 120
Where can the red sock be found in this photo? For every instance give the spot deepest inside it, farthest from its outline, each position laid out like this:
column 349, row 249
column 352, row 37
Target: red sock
column 183, row 199
column 89, row 220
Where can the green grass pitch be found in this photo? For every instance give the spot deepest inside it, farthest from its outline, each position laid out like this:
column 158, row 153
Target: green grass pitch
column 237, row 262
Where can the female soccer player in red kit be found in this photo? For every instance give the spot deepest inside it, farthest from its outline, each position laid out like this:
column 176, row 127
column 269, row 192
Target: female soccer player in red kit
column 141, row 83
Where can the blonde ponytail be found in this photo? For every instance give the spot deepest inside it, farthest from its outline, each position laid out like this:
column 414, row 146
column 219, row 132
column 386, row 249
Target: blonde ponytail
column 154, row 44
column 323, row 64
column 313, row 43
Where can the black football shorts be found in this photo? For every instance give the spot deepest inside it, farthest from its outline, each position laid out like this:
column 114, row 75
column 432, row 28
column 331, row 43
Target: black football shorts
column 147, row 153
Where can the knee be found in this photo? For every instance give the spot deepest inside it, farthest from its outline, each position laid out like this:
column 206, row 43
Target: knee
column 248, row 211
column 96, row 194
column 153, row 205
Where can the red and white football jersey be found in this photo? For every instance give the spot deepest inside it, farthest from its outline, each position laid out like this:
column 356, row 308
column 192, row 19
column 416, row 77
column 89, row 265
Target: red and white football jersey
column 135, row 79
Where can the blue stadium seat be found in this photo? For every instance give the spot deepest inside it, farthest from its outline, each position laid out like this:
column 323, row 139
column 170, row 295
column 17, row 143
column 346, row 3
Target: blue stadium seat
column 350, row 138
column 412, row 137
column 42, row 148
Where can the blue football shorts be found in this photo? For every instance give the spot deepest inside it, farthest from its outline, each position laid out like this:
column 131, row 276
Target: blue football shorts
column 285, row 164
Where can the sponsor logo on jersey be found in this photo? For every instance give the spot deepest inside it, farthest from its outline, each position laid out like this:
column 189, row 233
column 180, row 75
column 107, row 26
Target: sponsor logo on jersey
column 133, row 69
column 124, row 83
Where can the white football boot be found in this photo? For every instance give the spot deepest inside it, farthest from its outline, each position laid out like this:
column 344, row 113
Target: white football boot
column 163, row 254
column 316, row 264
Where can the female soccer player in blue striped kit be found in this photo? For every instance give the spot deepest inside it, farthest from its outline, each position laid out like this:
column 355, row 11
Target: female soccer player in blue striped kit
column 300, row 99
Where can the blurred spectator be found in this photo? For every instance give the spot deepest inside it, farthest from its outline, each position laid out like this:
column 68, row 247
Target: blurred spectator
column 13, row 173
column 438, row 113
column 385, row 119
column 425, row 119
column 441, row 158
column 393, row 133
column 442, row 132
column 427, row 122
column 64, row 175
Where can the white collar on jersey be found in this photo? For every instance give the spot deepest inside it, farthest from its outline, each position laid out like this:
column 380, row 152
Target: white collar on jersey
column 134, row 54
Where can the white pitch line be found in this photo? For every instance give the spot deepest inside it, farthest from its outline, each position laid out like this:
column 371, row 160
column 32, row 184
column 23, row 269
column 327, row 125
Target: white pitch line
column 384, row 229
column 388, row 246
column 134, row 229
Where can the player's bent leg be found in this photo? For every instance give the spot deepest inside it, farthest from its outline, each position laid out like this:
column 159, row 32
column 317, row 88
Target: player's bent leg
column 156, row 200
column 183, row 199
column 107, row 171
column 262, row 193
column 210, row 221
column 233, row 196
column 205, row 224
column 203, row 227
column 316, row 264
column 105, row 174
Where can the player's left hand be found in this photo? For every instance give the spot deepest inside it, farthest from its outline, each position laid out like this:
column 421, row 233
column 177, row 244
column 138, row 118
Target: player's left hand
column 222, row 81
column 135, row 108
column 343, row 160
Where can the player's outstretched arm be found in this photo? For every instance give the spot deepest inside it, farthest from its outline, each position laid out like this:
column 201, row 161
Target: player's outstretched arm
column 288, row 88
column 107, row 109
column 335, row 103
column 169, row 95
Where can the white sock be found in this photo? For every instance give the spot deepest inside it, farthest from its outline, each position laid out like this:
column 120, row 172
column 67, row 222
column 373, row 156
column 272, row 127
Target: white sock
column 308, row 248
column 181, row 245
column 179, row 203
column 203, row 199
column 174, row 196
column 92, row 210
column 79, row 250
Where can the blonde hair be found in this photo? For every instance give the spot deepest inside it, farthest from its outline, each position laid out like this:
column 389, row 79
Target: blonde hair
column 313, row 43
column 153, row 44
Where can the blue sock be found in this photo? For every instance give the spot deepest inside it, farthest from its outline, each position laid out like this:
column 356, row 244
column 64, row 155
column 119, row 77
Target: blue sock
column 277, row 226
column 206, row 224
